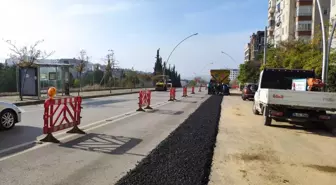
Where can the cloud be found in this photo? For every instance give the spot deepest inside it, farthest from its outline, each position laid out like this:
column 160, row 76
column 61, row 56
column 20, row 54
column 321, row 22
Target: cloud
column 90, row 9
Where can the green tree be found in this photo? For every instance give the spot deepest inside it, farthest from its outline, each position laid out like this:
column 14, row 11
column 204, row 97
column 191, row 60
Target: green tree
column 248, row 72
column 299, row 54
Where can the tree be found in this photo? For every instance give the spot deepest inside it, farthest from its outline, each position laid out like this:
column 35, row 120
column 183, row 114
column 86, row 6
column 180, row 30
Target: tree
column 26, row 57
column 80, row 67
column 299, row 54
column 248, row 72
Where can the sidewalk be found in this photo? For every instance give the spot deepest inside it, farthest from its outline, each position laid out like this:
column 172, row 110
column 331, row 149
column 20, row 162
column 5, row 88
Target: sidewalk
column 85, row 95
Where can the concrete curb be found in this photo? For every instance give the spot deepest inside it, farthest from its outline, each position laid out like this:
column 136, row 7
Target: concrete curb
column 83, row 97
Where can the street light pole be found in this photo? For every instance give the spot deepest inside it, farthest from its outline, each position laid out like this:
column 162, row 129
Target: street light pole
column 324, row 59
column 265, row 45
column 229, row 56
column 174, row 50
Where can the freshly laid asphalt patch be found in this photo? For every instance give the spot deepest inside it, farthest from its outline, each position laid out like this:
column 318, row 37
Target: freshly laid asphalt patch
column 185, row 156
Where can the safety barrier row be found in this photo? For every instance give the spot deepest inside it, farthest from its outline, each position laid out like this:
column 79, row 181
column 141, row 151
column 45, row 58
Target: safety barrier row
column 60, row 114
column 145, row 97
column 144, row 100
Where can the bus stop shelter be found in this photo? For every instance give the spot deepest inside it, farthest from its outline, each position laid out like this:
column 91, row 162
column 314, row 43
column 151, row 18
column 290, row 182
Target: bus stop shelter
column 35, row 81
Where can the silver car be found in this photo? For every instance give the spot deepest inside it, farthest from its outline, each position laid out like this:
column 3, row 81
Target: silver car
column 10, row 114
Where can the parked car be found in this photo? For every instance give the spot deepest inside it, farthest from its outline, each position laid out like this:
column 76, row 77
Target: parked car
column 10, row 114
column 249, row 91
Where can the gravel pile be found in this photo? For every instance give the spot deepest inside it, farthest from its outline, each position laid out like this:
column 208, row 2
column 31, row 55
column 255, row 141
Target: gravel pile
column 185, row 156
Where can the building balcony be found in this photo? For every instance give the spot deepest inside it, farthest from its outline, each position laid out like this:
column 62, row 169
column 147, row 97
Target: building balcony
column 304, row 2
column 303, row 18
column 271, row 9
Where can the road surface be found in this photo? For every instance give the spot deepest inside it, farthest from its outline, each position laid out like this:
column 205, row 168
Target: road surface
column 105, row 153
column 249, row 153
column 95, row 111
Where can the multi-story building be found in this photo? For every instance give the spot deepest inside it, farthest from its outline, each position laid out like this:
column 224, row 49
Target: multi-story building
column 298, row 19
column 256, row 45
column 234, row 74
column 333, row 19
column 247, row 52
column 271, row 21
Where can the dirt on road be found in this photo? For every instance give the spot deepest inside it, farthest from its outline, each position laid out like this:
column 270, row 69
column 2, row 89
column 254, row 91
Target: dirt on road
column 249, row 153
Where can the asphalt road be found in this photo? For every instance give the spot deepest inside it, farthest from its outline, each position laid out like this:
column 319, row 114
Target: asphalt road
column 105, row 153
column 95, row 110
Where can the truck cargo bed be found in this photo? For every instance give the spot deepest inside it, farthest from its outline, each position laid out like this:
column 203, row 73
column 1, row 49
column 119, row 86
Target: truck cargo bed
column 306, row 99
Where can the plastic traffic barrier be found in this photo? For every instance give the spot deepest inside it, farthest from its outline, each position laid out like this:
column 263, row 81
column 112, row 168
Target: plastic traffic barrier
column 60, row 114
column 185, row 92
column 192, row 90
column 144, row 100
column 172, row 94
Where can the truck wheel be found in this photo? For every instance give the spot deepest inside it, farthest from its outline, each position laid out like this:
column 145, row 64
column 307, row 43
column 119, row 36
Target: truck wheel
column 254, row 110
column 268, row 121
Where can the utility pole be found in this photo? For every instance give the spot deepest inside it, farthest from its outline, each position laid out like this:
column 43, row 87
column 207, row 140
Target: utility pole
column 265, row 45
column 324, row 59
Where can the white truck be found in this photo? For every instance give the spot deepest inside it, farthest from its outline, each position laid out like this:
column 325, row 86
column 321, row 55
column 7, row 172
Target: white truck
column 276, row 100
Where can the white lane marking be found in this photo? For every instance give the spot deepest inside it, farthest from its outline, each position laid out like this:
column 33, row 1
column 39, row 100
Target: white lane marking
column 123, row 116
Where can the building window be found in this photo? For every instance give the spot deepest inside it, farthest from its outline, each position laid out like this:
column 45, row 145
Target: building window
column 304, row 10
column 325, row 11
column 304, row 26
column 278, row 8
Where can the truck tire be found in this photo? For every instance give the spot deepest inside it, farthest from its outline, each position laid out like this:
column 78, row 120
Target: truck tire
column 254, row 110
column 267, row 119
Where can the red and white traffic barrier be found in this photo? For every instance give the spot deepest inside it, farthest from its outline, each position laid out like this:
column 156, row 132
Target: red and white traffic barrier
column 192, row 90
column 185, row 92
column 60, row 114
column 172, row 94
column 144, row 100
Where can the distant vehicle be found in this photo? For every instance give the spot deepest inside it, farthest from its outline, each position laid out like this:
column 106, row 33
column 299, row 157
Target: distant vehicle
column 162, row 83
column 10, row 114
column 218, row 82
column 169, row 84
column 277, row 100
column 249, row 91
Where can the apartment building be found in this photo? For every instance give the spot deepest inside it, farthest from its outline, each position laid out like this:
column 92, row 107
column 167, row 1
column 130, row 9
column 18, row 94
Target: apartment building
column 247, row 52
column 256, row 45
column 297, row 19
column 333, row 19
column 271, row 21
column 234, row 74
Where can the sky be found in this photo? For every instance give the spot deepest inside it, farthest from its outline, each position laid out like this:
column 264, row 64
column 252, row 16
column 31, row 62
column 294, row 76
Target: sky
column 135, row 29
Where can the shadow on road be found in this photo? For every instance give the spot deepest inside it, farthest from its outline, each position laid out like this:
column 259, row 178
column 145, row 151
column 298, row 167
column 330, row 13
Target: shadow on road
column 102, row 103
column 17, row 136
column 167, row 112
column 307, row 128
column 186, row 101
column 103, row 143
